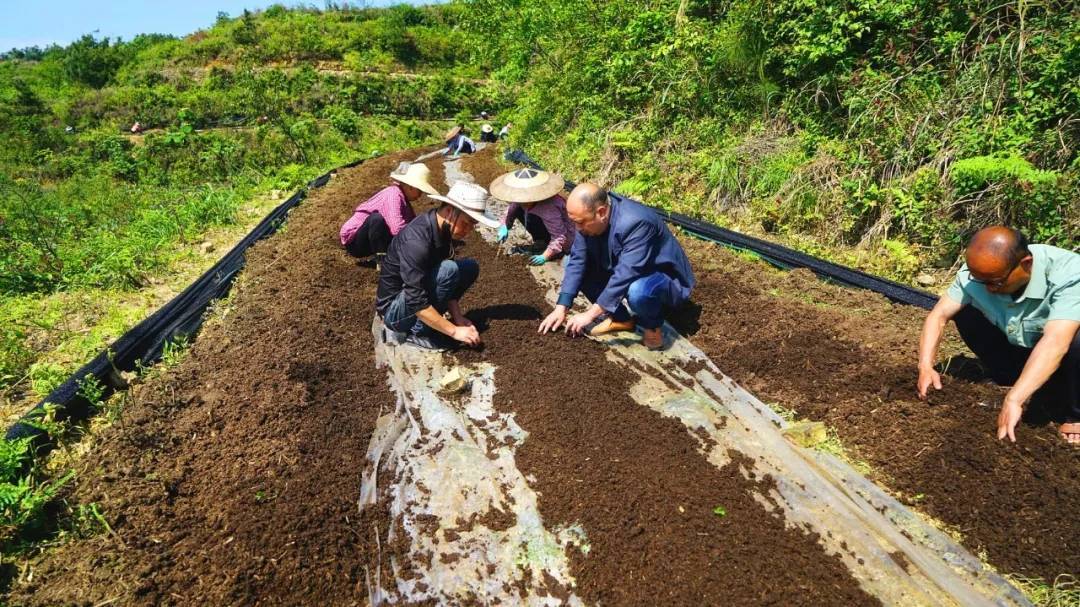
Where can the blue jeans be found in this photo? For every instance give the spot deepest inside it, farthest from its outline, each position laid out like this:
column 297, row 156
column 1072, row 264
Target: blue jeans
column 448, row 282
column 648, row 297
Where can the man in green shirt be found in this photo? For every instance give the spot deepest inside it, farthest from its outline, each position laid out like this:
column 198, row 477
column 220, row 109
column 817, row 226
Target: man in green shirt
column 1017, row 307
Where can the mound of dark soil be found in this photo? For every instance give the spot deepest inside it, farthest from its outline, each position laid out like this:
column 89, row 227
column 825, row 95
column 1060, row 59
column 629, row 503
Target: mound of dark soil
column 848, row 358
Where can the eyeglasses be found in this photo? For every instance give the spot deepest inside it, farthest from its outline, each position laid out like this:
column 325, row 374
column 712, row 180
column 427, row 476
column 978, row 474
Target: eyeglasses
column 999, row 282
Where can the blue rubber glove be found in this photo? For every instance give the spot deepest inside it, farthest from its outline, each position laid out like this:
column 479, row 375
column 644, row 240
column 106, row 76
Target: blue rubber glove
column 504, row 232
column 537, row 260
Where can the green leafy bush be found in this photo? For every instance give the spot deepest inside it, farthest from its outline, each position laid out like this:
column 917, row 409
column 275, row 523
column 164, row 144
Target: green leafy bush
column 1009, row 189
column 22, row 498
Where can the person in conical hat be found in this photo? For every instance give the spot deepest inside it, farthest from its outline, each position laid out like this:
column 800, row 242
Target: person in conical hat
column 535, row 200
column 457, row 143
column 487, row 134
column 381, row 217
column 420, row 280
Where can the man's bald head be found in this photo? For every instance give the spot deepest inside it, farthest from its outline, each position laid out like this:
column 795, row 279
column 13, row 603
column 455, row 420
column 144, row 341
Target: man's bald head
column 997, row 245
column 589, row 209
column 589, row 196
column 998, row 257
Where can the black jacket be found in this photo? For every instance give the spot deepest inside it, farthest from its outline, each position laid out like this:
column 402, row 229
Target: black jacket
column 417, row 250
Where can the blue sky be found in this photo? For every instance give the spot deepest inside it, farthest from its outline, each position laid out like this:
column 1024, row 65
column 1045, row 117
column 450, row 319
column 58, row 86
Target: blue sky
column 43, row 22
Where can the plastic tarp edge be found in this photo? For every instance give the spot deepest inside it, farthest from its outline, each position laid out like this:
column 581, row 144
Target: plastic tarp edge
column 182, row 315
column 774, row 253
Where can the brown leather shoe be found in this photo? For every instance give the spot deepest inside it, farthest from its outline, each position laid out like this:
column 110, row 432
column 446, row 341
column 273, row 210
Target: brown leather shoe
column 611, row 326
column 653, row 339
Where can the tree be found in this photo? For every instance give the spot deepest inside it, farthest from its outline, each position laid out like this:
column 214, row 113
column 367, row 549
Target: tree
column 91, row 62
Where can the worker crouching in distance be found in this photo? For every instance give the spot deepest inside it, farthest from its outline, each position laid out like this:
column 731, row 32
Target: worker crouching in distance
column 420, row 280
column 535, row 200
column 373, row 224
column 623, row 249
column 457, row 143
column 1017, row 307
column 487, row 134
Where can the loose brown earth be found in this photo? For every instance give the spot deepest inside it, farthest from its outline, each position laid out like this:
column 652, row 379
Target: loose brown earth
column 233, row 478
column 847, row 357
column 633, row 478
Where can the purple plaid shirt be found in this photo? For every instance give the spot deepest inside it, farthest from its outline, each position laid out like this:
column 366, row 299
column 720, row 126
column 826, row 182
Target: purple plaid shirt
column 553, row 213
column 390, row 203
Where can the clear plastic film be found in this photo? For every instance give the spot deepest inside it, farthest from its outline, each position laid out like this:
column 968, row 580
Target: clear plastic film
column 444, row 464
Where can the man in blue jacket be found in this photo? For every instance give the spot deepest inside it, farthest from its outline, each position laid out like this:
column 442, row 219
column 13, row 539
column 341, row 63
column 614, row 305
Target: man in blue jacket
column 625, row 250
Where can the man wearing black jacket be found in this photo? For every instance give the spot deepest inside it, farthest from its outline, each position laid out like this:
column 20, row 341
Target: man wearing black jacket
column 420, row 281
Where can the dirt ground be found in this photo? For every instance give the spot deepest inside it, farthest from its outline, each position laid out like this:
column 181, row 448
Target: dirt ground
column 633, row 478
column 847, row 357
column 233, row 478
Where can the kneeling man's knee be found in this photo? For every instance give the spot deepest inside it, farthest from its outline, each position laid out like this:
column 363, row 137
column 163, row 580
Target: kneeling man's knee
column 640, row 290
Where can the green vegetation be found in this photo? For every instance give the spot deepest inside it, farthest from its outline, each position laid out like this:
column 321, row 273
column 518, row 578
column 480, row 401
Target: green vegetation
column 890, row 128
column 262, row 102
column 1062, row 592
column 100, row 225
column 876, row 133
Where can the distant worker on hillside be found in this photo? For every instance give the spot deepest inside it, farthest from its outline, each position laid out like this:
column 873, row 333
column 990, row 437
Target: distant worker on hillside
column 420, row 280
column 535, row 201
column 457, row 143
column 487, row 134
column 1017, row 307
column 623, row 249
column 384, row 215
column 136, row 128
column 505, row 131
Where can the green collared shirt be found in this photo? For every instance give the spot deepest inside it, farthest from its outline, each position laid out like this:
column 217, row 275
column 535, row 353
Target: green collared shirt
column 1052, row 294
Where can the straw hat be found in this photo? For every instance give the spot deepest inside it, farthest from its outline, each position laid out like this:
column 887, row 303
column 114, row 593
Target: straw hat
column 452, row 133
column 415, row 174
column 526, row 185
column 487, row 128
column 471, row 199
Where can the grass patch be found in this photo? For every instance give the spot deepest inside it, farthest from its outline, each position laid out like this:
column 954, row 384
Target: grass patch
column 1063, row 592
column 831, row 444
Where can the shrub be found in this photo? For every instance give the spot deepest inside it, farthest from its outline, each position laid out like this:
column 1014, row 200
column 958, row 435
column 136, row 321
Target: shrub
column 1007, row 189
